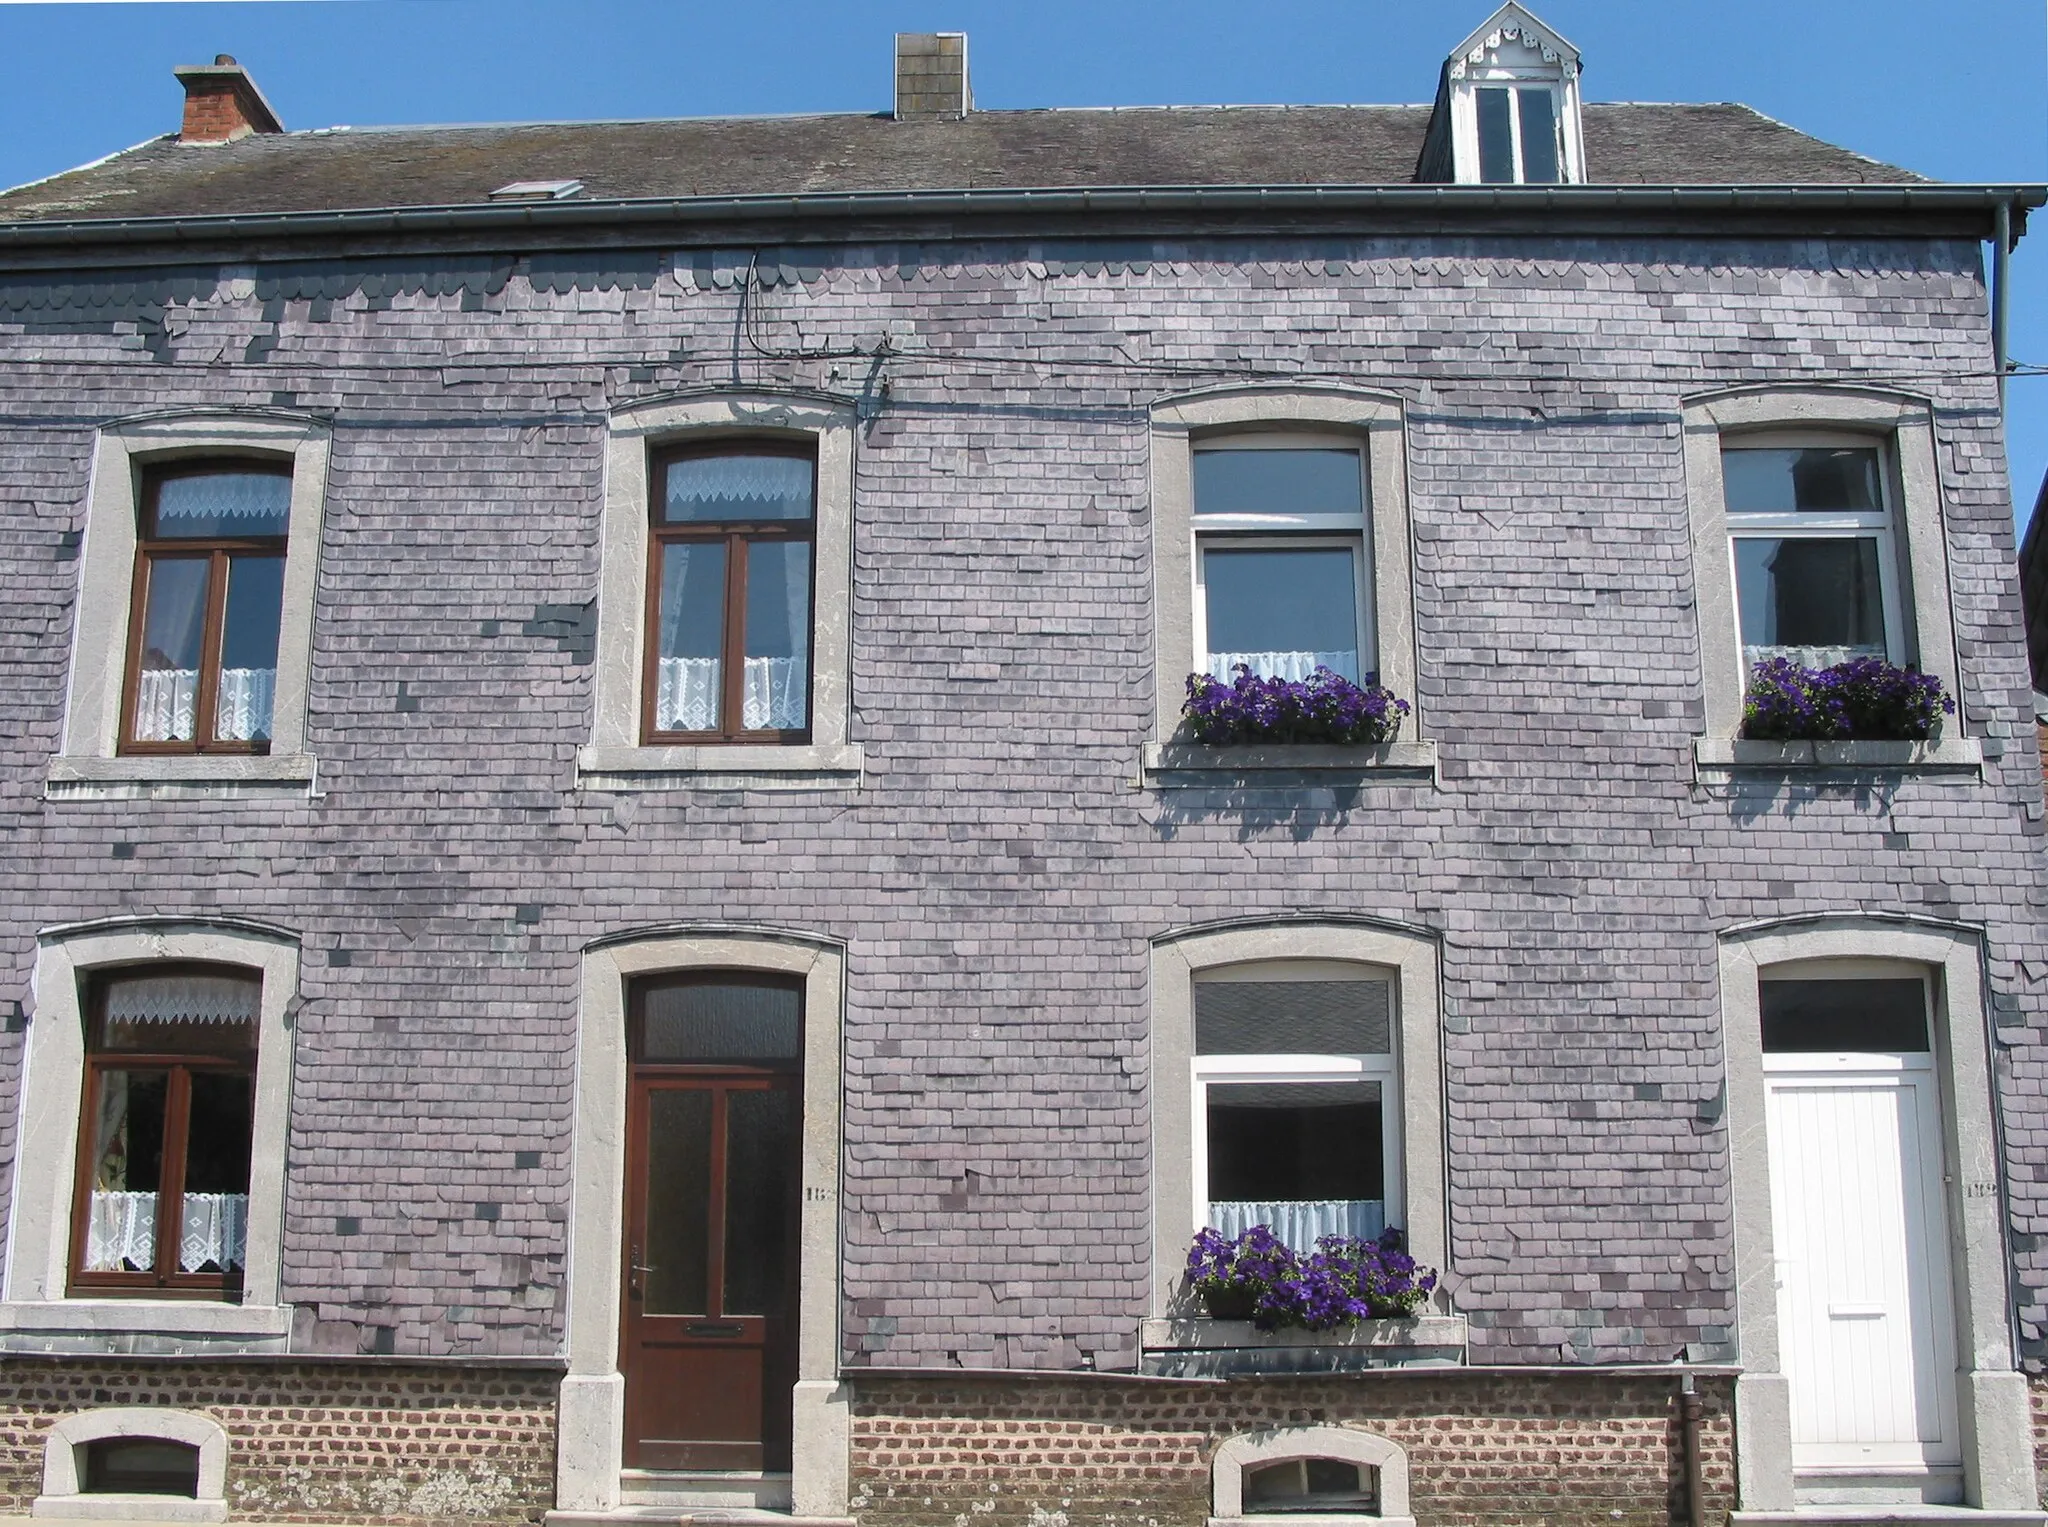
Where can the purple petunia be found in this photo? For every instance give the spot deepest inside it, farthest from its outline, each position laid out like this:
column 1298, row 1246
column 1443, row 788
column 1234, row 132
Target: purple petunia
column 1866, row 698
column 1324, row 707
column 1343, row 1281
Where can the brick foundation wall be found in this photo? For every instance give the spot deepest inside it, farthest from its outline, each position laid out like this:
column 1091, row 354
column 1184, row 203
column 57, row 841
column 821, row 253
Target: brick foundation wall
column 1499, row 1450
column 318, row 1442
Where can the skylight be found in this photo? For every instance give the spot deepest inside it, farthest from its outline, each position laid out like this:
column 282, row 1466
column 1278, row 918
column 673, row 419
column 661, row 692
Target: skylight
column 537, row 190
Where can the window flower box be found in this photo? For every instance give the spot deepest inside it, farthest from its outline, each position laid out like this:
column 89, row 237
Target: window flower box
column 1324, row 708
column 1199, row 1346
column 1865, row 699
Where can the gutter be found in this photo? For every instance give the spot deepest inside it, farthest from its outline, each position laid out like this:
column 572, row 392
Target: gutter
column 1548, row 209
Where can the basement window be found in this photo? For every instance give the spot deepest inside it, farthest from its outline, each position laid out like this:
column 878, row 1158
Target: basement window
column 1309, row 1485
column 139, row 1466
column 537, row 190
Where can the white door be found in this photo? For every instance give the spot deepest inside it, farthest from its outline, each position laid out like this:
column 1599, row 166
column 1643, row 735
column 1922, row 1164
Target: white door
column 1865, row 1318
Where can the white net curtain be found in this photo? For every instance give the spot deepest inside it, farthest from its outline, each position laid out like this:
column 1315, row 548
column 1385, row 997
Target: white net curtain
column 1298, row 1222
column 1809, row 657
column 774, row 694
column 121, row 1232
column 121, row 1218
column 166, row 704
column 1294, row 666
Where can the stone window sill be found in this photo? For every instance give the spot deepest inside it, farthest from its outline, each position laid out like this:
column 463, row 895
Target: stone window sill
column 1720, row 756
column 185, row 774
column 1198, row 763
column 126, row 1508
column 142, row 1325
column 745, row 766
column 1200, row 1347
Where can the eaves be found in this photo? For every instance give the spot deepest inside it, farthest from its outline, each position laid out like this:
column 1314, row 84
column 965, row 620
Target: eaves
column 1158, row 212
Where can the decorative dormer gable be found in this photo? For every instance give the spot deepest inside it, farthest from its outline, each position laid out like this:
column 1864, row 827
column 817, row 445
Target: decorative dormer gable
column 1509, row 98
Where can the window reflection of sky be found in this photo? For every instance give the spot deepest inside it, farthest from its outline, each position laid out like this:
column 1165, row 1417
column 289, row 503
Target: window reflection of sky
column 1294, row 599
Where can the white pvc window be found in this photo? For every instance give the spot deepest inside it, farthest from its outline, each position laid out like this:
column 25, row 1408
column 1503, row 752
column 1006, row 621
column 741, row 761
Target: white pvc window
column 1520, row 142
column 1296, row 1100
column 1811, row 531
column 1283, row 571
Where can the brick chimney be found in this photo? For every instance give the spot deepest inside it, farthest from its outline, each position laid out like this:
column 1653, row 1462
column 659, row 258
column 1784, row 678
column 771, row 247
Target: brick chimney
column 222, row 103
column 931, row 76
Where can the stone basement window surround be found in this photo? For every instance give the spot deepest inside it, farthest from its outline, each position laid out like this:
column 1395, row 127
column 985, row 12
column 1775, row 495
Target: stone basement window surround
column 37, row 1315
column 1245, row 1463
column 619, row 757
column 72, row 1493
column 91, row 765
column 1913, row 570
column 1311, row 417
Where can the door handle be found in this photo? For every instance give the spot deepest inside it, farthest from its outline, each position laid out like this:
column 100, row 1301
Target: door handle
column 634, row 1289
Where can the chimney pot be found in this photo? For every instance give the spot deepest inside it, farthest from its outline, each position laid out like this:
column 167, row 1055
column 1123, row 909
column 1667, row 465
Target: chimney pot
column 931, row 77
column 222, row 103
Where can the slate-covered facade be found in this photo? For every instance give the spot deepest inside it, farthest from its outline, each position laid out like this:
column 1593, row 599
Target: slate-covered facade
column 989, row 868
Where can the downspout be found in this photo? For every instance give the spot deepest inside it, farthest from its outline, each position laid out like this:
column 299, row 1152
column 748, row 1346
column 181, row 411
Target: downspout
column 1689, row 1410
column 2001, row 245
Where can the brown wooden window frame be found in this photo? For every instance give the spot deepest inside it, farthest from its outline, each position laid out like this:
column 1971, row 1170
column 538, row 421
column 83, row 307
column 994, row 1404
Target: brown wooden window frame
column 216, row 551
column 164, row 1281
column 735, row 536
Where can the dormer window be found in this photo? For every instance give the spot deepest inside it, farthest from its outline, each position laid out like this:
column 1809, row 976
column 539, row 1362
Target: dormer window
column 1512, row 89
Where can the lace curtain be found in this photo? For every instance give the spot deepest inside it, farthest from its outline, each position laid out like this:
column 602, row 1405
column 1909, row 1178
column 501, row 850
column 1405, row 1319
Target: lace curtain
column 721, row 487
column 165, row 699
column 1297, row 1223
column 775, row 692
column 183, row 999
column 1285, row 665
column 1809, row 657
column 227, row 496
column 213, row 1232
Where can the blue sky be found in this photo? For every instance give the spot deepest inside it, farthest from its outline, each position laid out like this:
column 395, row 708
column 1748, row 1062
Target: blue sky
column 1959, row 92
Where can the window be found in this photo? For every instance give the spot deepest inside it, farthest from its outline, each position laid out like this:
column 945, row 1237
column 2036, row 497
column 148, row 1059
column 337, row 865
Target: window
column 134, row 1463
column 1282, row 577
column 1817, row 535
column 193, row 631
column 1259, row 495
column 209, row 595
column 1331, row 1030
column 1297, row 1096
column 1508, row 111
column 1312, row 1485
column 1337, row 1475
column 724, row 612
column 1518, row 142
column 729, row 595
column 164, row 1142
column 1810, row 529
column 139, row 1466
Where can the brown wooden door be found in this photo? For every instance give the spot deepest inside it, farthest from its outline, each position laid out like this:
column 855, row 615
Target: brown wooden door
column 709, row 1346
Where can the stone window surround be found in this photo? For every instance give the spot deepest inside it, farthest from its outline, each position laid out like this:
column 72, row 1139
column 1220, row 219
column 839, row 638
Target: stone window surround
column 91, row 765
column 63, row 1496
column 1252, row 1450
column 37, row 1313
column 1178, row 424
column 592, row 1415
column 1408, row 956
column 1903, row 425
column 615, row 758
column 1997, row 1435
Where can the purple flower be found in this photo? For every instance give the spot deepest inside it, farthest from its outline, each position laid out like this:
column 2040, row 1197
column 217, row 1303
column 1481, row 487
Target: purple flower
column 1324, row 707
column 1866, row 698
column 1343, row 1281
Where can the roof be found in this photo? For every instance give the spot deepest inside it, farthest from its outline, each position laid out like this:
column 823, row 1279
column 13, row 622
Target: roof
column 347, row 168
